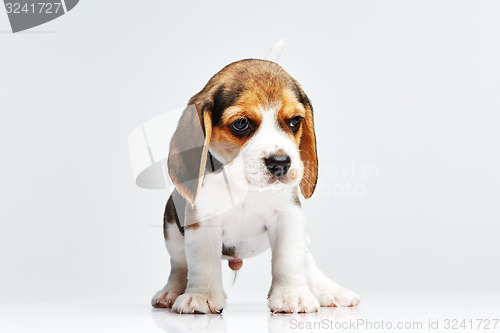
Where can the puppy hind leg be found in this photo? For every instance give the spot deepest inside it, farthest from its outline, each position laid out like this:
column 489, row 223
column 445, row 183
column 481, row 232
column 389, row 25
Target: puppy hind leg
column 328, row 292
column 177, row 279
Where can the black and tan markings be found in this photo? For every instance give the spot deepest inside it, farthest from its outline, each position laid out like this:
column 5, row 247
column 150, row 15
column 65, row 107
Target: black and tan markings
column 174, row 212
column 171, row 217
column 239, row 90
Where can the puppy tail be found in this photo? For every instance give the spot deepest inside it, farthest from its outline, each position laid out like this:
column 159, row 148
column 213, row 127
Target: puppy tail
column 275, row 51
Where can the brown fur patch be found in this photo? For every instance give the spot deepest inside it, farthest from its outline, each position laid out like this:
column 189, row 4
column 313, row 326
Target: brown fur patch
column 192, row 226
column 309, row 157
column 291, row 108
column 169, row 216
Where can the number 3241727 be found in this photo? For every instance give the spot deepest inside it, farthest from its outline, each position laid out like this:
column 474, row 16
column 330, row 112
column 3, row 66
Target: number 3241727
column 33, row 8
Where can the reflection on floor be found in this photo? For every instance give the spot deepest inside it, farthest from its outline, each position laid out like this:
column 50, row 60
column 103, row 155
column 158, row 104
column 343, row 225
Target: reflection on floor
column 251, row 319
column 429, row 312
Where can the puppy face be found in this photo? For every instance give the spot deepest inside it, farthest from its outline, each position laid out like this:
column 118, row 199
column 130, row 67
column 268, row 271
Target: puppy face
column 253, row 109
column 265, row 129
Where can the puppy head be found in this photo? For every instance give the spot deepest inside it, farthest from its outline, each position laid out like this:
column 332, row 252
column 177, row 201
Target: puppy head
column 251, row 109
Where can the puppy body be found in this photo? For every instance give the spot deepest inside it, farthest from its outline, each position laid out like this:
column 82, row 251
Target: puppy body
column 237, row 189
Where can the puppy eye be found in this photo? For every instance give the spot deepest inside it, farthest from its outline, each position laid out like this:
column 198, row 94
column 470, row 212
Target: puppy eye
column 241, row 124
column 294, row 123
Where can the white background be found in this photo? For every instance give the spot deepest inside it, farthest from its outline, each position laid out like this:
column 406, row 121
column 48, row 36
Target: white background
column 410, row 88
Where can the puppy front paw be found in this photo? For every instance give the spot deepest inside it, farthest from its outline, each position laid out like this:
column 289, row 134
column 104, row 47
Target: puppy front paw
column 338, row 296
column 200, row 303
column 285, row 299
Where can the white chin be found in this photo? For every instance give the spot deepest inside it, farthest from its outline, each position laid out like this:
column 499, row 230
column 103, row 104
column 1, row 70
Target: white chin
column 269, row 185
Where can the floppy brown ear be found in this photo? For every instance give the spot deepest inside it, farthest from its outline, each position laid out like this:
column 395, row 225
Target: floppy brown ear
column 308, row 152
column 187, row 157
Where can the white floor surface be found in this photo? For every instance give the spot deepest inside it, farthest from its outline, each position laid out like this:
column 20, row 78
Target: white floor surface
column 428, row 312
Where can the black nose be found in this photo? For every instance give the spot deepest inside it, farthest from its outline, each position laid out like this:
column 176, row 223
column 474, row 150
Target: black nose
column 278, row 165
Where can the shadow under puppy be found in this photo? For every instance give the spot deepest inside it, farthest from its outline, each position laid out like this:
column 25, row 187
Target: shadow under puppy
column 242, row 149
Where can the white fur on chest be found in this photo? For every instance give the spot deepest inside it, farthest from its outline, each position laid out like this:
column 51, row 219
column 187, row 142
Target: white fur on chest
column 243, row 215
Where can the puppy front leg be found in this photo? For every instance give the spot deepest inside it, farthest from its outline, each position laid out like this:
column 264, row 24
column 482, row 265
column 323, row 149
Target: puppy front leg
column 289, row 291
column 204, row 292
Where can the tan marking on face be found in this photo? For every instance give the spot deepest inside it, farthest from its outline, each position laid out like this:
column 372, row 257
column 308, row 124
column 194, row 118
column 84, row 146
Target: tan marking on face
column 240, row 110
column 224, row 141
column 255, row 97
column 259, row 84
column 192, row 226
column 291, row 108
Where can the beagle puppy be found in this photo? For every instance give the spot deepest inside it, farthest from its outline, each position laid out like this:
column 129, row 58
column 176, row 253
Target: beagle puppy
column 242, row 149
